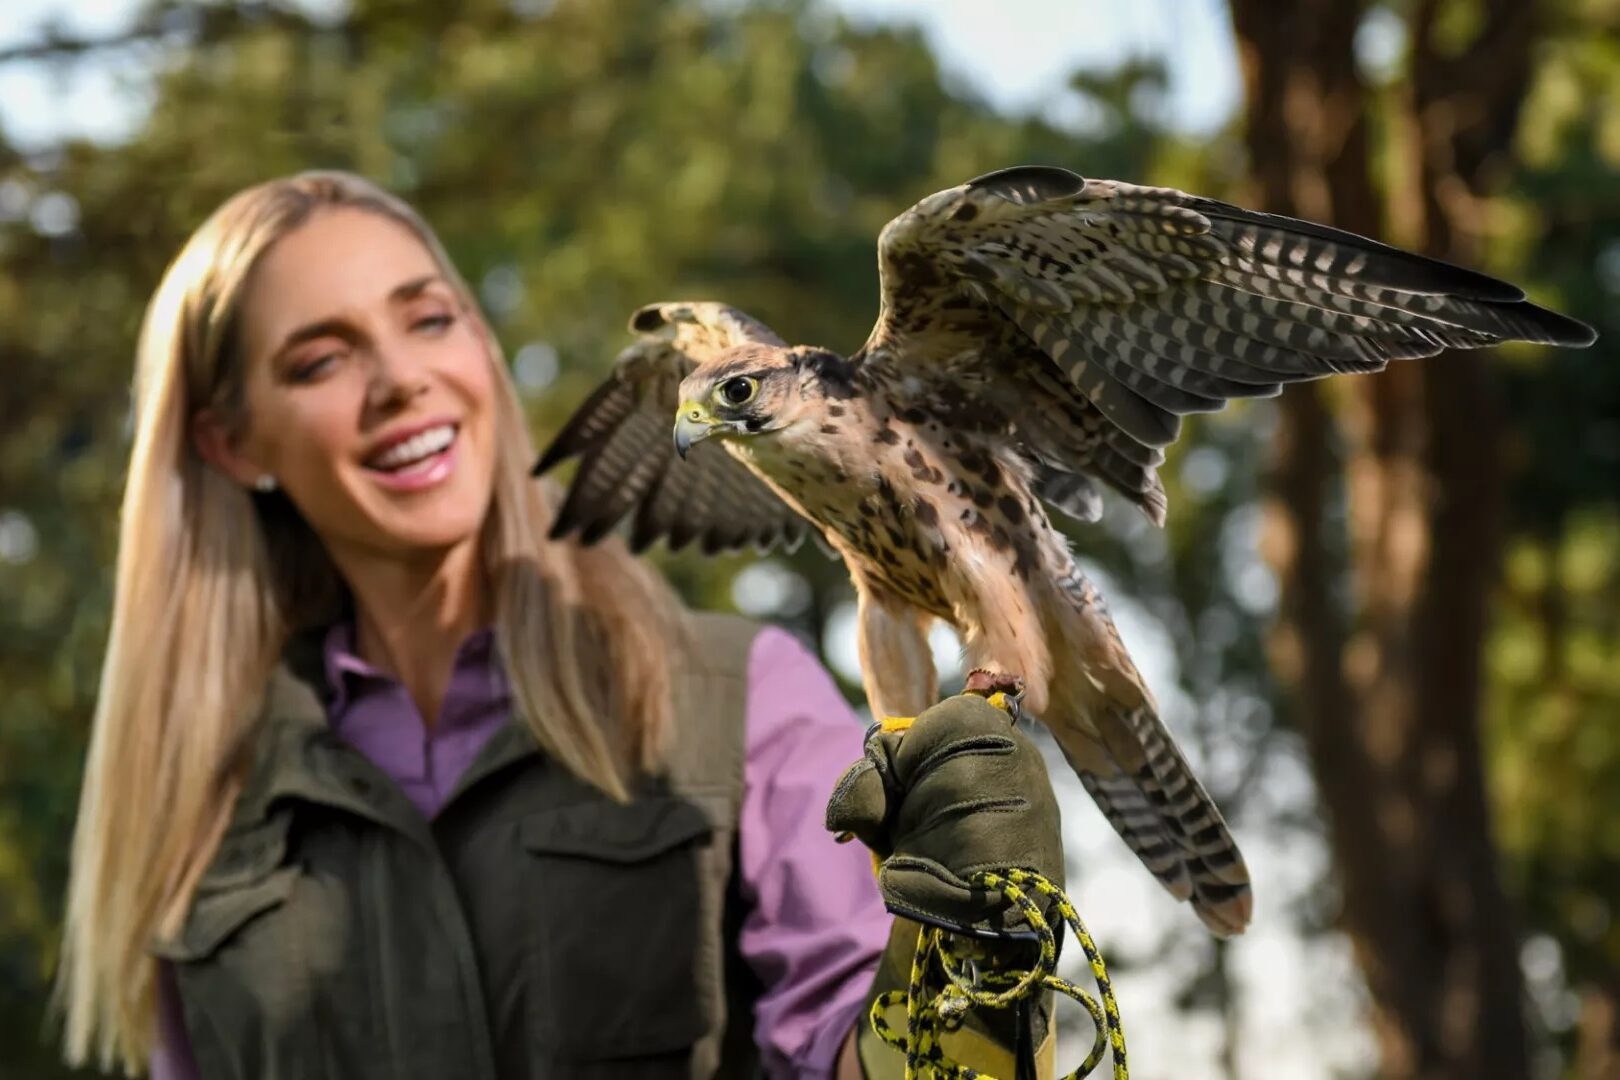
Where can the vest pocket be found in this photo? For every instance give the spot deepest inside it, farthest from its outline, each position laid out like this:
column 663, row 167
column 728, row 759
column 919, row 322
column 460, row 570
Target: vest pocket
column 617, row 916
column 244, row 880
column 216, row 917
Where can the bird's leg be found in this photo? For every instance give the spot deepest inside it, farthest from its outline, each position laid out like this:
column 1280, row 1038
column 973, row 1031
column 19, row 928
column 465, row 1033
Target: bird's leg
column 1002, row 635
column 897, row 665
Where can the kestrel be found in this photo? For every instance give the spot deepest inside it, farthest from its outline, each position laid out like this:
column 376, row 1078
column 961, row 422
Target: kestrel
column 1039, row 333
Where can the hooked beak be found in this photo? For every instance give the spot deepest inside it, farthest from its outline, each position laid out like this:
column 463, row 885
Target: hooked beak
column 693, row 424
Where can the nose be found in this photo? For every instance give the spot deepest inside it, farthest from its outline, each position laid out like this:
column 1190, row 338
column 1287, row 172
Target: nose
column 394, row 379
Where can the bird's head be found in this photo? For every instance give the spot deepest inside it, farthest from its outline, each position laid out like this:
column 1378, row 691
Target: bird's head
column 744, row 392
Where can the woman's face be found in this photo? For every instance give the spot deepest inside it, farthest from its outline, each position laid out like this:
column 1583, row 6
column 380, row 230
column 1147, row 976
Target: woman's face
column 368, row 388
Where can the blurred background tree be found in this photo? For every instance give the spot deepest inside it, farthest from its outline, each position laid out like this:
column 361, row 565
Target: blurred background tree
column 1431, row 642
column 1390, row 508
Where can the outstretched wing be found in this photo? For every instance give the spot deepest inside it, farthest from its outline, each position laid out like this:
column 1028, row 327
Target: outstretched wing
column 1088, row 316
column 622, row 436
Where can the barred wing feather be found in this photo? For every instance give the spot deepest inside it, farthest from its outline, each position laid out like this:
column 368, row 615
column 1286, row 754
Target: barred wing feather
column 1033, row 290
column 627, row 462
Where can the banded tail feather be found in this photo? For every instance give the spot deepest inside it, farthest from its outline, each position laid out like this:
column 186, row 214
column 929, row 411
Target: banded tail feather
column 1128, row 761
column 1176, row 830
column 1219, row 877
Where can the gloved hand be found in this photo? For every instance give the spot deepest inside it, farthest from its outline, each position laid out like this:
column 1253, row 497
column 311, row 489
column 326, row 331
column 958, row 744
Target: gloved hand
column 960, row 791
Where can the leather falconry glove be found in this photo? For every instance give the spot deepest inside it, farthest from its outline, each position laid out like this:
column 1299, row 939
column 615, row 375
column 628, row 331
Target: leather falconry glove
column 961, row 790
column 958, row 791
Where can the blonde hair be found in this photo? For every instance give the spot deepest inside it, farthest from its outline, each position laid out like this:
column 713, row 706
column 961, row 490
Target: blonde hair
column 212, row 580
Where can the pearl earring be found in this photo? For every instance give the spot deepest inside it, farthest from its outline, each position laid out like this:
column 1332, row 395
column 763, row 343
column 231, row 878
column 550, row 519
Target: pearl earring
column 265, row 482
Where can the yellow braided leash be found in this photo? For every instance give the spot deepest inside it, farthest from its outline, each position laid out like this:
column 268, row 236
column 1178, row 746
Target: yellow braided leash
column 926, row 1018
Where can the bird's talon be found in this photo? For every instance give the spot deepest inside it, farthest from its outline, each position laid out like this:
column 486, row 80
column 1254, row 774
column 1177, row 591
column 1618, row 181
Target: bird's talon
column 988, row 683
column 999, row 689
column 1006, row 704
column 892, row 724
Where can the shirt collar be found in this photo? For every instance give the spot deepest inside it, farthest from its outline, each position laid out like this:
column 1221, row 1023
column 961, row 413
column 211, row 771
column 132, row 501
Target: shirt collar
column 347, row 675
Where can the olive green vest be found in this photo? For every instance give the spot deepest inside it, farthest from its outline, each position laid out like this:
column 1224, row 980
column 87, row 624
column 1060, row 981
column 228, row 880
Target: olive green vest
column 534, row 928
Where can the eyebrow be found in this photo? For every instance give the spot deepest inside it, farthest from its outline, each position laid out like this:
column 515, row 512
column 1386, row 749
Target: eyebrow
column 408, row 290
column 411, row 288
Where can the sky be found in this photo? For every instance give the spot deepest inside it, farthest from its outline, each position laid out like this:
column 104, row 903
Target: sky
column 1017, row 54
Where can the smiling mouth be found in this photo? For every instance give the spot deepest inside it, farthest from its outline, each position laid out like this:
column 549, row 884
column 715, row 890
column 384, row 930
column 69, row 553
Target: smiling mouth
column 420, row 451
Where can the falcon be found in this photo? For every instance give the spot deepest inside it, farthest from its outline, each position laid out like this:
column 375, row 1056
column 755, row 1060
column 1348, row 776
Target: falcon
column 1041, row 335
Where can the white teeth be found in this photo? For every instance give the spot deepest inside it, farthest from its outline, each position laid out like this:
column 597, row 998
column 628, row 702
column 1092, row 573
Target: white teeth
column 415, row 448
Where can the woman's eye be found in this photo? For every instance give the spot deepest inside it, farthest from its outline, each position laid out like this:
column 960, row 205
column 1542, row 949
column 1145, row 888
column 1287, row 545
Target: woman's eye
column 433, row 323
column 311, row 368
column 737, row 391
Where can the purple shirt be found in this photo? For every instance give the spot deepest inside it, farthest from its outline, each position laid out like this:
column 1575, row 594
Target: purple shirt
column 815, row 925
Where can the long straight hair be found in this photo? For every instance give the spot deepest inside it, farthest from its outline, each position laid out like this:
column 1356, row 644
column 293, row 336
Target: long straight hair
column 212, row 580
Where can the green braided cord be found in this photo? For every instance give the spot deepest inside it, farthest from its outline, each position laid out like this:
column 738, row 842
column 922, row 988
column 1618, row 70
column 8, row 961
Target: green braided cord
column 927, row 1018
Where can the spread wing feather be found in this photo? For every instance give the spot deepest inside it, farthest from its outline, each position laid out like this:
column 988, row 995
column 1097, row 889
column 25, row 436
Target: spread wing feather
column 1086, row 317
column 627, row 462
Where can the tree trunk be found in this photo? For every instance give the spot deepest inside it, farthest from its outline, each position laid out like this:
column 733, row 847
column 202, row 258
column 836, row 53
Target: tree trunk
column 1382, row 644
column 1597, row 1035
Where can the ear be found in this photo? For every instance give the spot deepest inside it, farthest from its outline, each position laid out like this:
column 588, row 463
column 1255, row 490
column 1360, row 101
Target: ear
column 218, row 445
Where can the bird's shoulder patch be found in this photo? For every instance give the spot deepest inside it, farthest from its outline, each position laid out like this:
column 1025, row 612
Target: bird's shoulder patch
column 831, row 375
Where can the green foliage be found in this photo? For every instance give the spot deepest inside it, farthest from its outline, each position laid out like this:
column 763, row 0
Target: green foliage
column 1553, row 667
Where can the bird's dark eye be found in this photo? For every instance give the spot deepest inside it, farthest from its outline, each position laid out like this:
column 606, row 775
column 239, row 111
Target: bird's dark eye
column 739, row 390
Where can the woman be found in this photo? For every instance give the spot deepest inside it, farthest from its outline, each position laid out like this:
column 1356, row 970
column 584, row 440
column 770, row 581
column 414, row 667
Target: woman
column 383, row 781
